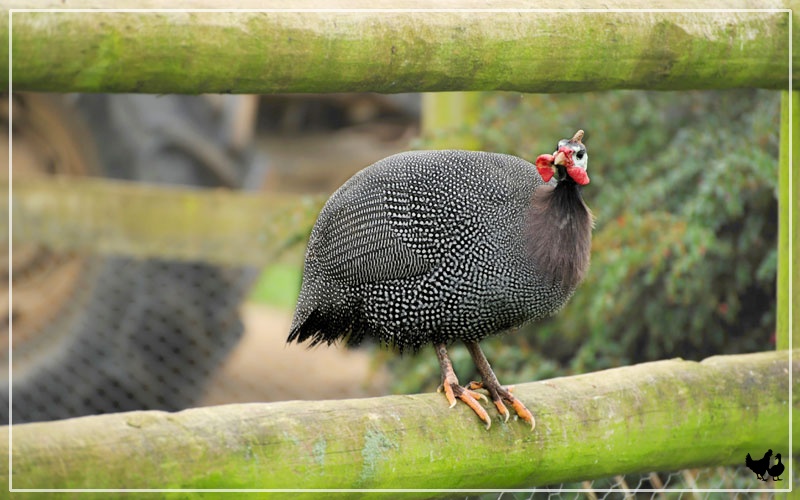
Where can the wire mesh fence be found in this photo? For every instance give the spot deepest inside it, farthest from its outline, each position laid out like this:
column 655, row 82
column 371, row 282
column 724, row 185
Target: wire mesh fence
column 690, row 484
column 95, row 334
column 662, row 485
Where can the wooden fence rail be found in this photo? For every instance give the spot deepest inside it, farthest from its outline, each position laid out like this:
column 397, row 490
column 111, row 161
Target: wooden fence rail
column 533, row 51
column 101, row 216
column 665, row 415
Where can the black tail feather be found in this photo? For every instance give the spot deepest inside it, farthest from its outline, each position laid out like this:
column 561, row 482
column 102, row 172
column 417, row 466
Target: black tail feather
column 318, row 328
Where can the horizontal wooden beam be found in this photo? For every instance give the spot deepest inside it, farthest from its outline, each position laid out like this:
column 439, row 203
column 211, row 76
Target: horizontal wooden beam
column 101, row 216
column 659, row 416
column 397, row 51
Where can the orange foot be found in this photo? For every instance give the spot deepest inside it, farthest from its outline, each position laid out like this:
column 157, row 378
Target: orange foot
column 499, row 394
column 453, row 390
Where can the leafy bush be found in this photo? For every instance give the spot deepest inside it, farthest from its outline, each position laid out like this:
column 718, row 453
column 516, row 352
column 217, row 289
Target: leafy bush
column 684, row 252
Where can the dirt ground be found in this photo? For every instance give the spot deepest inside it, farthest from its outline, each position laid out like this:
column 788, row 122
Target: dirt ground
column 264, row 368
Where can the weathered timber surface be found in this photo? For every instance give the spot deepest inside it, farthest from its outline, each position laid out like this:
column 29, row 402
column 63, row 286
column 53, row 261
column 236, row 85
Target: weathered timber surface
column 664, row 415
column 257, row 52
column 101, row 216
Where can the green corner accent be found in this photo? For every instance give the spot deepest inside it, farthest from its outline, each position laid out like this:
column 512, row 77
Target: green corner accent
column 795, row 234
column 787, row 236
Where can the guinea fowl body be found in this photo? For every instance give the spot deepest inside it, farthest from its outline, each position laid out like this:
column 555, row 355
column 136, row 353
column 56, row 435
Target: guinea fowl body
column 429, row 247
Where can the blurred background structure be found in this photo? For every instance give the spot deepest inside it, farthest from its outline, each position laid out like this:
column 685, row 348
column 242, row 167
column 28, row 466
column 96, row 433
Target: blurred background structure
column 96, row 333
column 683, row 262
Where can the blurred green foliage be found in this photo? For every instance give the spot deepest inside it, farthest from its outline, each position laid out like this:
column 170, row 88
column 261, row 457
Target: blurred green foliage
column 684, row 189
column 278, row 285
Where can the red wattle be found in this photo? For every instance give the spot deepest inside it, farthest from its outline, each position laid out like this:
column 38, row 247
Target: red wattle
column 579, row 175
column 544, row 164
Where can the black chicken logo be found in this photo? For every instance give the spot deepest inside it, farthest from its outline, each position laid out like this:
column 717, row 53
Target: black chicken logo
column 762, row 466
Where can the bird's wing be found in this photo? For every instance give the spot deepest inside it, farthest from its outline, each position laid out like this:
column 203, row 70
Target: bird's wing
column 355, row 242
column 454, row 199
column 402, row 216
column 419, row 216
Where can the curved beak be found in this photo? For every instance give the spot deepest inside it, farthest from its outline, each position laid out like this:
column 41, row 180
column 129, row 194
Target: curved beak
column 563, row 157
column 560, row 158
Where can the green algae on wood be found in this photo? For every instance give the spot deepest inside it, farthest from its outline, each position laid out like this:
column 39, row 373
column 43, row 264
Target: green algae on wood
column 257, row 52
column 665, row 415
column 110, row 217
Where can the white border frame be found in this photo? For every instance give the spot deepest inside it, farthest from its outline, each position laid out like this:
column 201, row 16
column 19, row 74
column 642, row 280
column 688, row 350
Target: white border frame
column 356, row 490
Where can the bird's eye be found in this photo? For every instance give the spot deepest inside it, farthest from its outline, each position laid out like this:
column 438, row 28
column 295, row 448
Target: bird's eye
column 580, row 154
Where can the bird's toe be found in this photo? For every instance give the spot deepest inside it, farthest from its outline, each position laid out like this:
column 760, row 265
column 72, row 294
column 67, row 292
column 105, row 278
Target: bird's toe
column 523, row 412
column 501, row 408
column 453, row 391
column 501, row 395
column 476, row 407
column 476, row 395
column 448, row 393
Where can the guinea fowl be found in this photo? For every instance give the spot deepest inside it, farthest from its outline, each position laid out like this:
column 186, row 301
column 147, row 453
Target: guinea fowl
column 431, row 247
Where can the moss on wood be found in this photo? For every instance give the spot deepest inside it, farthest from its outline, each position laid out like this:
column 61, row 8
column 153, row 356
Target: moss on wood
column 212, row 52
column 665, row 415
column 123, row 218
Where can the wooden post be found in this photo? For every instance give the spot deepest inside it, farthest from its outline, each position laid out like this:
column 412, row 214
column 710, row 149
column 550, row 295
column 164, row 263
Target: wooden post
column 448, row 119
column 788, row 239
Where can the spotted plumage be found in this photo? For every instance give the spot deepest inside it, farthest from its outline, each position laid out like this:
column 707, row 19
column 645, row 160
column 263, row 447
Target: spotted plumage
column 426, row 247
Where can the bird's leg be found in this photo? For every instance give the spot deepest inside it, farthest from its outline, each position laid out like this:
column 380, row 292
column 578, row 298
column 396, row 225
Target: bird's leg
column 497, row 392
column 453, row 390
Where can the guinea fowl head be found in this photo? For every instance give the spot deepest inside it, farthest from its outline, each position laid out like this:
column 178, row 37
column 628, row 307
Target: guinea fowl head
column 568, row 162
column 559, row 235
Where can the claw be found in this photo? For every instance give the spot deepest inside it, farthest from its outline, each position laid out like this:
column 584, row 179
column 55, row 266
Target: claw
column 501, row 408
column 455, row 391
column 448, row 392
column 523, row 412
column 500, row 394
